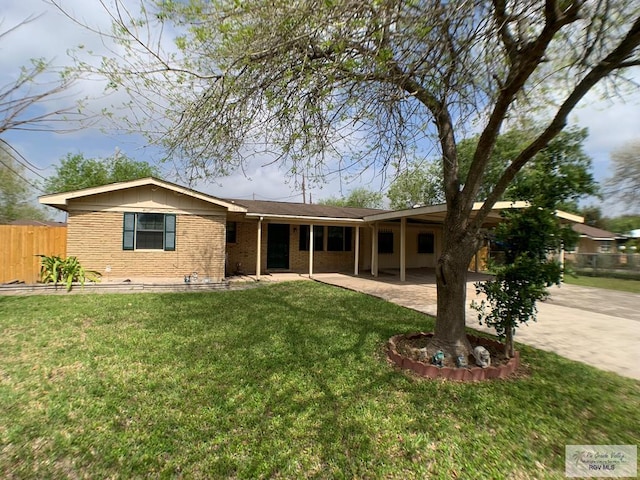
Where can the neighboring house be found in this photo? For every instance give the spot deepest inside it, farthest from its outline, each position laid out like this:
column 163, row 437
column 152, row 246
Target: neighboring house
column 154, row 228
column 596, row 240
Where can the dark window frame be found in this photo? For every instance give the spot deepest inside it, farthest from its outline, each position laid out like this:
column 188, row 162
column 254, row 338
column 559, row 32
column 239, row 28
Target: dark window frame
column 385, row 242
column 232, row 233
column 318, row 238
column 426, row 243
column 134, row 231
column 339, row 239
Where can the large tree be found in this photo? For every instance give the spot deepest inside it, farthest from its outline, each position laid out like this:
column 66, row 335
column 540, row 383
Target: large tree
column 333, row 84
column 76, row 172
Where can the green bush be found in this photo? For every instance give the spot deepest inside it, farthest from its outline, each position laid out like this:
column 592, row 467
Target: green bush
column 55, row 269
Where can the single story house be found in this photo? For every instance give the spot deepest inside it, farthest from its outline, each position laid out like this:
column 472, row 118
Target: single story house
column 596, row 240
column 154, row 228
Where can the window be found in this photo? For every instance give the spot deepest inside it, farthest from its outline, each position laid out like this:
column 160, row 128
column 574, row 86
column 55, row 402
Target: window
column 339, row 239
column 605, row 246
column 385, row 241
column 149, row 231
column 231, row 232
column 318, row 238
column 426, row 243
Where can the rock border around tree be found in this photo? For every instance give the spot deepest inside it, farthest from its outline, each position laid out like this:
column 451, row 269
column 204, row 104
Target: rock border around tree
column 465, row 374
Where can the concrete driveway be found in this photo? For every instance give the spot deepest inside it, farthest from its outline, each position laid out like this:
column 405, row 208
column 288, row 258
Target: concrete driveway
column 590, row 325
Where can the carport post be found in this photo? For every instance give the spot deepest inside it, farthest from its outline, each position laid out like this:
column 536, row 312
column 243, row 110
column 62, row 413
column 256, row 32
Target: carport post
column 403, row 249
column 374, row 250
column 310, row 250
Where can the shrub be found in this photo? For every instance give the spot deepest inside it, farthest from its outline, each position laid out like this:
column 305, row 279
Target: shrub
column 55, row 269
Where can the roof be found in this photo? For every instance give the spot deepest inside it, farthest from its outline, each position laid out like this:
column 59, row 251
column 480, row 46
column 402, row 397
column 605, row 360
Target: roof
column 596, row 233
column 292, row 210
column 61, row 200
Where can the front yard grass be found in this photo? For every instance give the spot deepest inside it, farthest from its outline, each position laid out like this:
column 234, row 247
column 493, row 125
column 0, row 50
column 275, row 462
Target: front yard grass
column 620, row 284
column 284, row 381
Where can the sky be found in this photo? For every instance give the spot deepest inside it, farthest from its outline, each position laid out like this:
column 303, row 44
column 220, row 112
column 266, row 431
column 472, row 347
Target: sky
column 611, row 122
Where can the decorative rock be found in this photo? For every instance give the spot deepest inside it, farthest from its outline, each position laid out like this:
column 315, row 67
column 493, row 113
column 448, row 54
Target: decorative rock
column 483, row 358
column 469, row 374
column 438, row 358
column 461, row 361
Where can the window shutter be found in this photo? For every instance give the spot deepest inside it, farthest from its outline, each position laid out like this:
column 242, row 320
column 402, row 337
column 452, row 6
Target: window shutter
column 128, row 231
column 169, row 232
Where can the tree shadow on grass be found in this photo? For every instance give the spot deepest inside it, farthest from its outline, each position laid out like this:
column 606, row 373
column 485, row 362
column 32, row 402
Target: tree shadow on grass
column 306, row 362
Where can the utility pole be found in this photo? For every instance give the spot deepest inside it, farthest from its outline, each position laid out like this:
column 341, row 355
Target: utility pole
column 304, row 191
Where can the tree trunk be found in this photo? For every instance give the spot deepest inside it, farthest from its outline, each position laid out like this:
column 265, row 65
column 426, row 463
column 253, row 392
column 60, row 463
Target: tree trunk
column 508, row 341
column 451, row 277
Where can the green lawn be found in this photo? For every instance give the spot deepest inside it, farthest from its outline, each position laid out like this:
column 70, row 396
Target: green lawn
column 602, row 282
column 283, row 381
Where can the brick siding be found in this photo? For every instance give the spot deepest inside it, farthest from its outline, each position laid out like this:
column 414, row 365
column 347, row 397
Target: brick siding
column 96, row 239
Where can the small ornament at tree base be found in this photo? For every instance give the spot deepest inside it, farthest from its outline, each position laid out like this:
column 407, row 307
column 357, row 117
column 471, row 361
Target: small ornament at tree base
column 461, row 361
column 438, row 358
column 482, row 356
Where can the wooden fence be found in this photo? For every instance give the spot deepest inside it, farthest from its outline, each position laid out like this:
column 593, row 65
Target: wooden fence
column 20, row 246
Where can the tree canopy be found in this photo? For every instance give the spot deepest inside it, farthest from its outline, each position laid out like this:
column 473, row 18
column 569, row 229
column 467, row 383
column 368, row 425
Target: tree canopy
column 421, row 184
column 338, row 85
column 624, row 184
column 560, row 170
column 76, row 172
column 556, row 177
column 17, row 195
column 358, row 197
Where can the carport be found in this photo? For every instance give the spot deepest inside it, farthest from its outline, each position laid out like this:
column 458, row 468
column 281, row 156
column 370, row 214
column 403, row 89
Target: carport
column 431, row 216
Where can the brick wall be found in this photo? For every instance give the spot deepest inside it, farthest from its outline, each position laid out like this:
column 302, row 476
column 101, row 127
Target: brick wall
column 241, row 256
column 96, row 239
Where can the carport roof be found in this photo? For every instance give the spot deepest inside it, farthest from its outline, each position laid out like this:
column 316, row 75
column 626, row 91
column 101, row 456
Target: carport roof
column 437, row 213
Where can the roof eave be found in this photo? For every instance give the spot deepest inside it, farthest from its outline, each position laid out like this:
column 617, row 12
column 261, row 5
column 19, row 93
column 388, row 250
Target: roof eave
column 61, row 200
column 304, row 218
